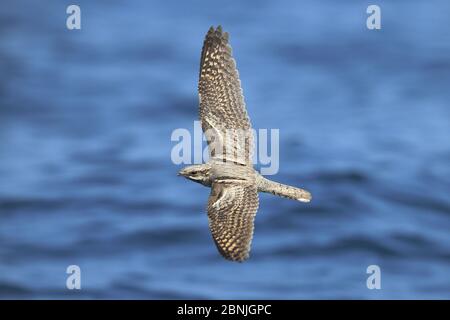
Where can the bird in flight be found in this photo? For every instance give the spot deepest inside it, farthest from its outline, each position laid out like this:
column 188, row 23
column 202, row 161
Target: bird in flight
column 234, row 183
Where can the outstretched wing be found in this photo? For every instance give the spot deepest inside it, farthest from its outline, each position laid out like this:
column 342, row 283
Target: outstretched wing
column 232, row 208
column 223, row 114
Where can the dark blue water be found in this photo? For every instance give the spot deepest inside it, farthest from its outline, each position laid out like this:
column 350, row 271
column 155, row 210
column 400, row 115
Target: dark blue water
column 86, row 176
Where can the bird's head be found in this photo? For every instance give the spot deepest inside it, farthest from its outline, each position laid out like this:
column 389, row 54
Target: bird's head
column 197, row 173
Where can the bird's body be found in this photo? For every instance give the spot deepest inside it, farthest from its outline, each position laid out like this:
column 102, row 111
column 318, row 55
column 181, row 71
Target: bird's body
column 234, row 183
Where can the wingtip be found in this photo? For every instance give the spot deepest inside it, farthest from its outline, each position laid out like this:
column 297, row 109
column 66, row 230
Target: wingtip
column 239, row 259
column 223, row 35
column 218, row 34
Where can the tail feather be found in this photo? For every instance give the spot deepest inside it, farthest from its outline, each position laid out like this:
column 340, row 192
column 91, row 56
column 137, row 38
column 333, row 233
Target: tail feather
column 282, row 190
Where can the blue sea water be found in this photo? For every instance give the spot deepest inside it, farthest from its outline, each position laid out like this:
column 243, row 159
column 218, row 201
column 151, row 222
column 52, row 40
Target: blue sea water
column 85, row 171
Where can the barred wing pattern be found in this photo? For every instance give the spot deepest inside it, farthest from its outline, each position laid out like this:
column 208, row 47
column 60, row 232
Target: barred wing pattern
column 223, row 114
column 232, row 208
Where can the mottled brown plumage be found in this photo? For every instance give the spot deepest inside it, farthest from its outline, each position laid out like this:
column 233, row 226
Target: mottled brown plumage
column 231, row 211
column 222, row 110
column 234, row 183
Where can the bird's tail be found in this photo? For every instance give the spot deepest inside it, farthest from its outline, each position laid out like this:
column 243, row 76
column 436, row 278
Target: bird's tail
column 282, row 190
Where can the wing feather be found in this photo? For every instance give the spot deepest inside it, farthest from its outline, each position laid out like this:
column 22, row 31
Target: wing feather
column 223, row 114
column 232, row 208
